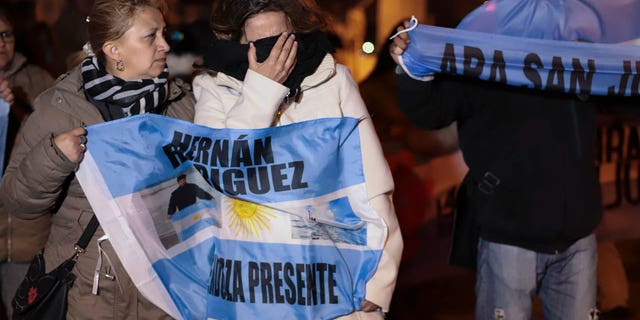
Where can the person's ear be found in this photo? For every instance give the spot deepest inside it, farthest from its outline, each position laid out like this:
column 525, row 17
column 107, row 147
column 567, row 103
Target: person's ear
column 110, row 49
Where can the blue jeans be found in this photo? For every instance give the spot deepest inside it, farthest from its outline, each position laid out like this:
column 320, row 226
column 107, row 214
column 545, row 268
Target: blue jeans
column 508, row 278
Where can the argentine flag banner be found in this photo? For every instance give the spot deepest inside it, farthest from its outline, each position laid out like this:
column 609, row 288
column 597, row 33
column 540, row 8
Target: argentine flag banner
column 233, row 223
column 4, row 126
column 588, row 47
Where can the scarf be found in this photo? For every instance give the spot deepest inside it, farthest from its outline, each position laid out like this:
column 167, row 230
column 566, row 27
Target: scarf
column 116, row 98
column 230, row 57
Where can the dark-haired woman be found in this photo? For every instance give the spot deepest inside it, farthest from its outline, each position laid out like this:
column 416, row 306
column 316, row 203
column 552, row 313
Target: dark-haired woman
column 296, row 80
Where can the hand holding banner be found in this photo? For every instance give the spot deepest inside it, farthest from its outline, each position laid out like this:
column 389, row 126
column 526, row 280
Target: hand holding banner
column 564, row 46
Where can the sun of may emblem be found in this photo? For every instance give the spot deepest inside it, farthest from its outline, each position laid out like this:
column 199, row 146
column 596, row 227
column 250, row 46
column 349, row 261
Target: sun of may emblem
column 247, row 218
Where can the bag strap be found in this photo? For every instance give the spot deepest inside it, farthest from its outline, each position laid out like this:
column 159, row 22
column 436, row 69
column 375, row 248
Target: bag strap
column 86, row 236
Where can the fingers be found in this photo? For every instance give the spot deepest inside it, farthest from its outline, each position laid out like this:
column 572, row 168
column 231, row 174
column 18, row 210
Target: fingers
column 398, row 46
column 278, row 47
column 400, row 43
column 7, row 95
column 72, row 143
column 402, row 40
column 396, row 49
column 83, row 143
column 252, row 56
column 5, row 91
column 81, row 133
column 368, row 306
column 281, row 60
column 290, row 59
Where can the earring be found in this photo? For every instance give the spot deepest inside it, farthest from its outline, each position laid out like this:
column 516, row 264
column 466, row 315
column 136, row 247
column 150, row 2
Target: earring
column 120, row 65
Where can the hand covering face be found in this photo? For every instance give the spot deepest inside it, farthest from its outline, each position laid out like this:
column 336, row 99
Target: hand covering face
column 230, row 57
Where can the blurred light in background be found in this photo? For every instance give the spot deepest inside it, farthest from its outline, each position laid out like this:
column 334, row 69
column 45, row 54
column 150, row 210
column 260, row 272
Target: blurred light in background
column 177, row 36
column 368, row 47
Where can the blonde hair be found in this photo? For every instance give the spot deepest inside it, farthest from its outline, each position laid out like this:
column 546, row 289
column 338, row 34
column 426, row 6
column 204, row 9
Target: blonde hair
column 110, row 19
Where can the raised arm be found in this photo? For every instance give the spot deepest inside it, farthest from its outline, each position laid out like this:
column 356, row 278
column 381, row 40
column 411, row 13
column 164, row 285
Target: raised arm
column 224, row 102
column 431, row 104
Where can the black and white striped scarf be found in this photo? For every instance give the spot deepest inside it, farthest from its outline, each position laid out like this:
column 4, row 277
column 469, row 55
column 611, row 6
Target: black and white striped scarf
column 117, row 98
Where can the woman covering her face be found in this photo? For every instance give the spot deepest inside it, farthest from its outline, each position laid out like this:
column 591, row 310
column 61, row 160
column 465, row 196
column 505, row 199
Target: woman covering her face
column 272, row 65
column 127, row 76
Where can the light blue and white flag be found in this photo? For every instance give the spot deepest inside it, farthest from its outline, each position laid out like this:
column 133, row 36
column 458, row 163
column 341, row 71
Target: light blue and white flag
column 571, row 46
column 194, row 218
column 289, row 232
column 4, row 125
column 597, row 21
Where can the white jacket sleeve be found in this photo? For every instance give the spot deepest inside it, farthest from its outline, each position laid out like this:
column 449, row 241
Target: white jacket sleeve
column 379, row 184
column 252, row 105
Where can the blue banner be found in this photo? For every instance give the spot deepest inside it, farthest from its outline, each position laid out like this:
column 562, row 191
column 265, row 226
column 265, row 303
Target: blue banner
column 571, row 46
column 570, row 67
column 595, row 21
column 234, row 223
column 4, row 125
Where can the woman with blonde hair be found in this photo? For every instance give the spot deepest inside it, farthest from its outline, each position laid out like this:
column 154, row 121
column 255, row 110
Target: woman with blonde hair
column 125, row 77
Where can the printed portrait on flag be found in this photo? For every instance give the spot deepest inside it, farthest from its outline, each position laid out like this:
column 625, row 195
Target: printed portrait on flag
column 180, row 207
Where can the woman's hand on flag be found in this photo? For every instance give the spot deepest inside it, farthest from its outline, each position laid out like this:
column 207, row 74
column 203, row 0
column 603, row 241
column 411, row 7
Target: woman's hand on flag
column 72, row 143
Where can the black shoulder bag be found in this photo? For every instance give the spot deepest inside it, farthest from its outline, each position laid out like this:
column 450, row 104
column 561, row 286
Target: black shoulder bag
column 43, row 296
